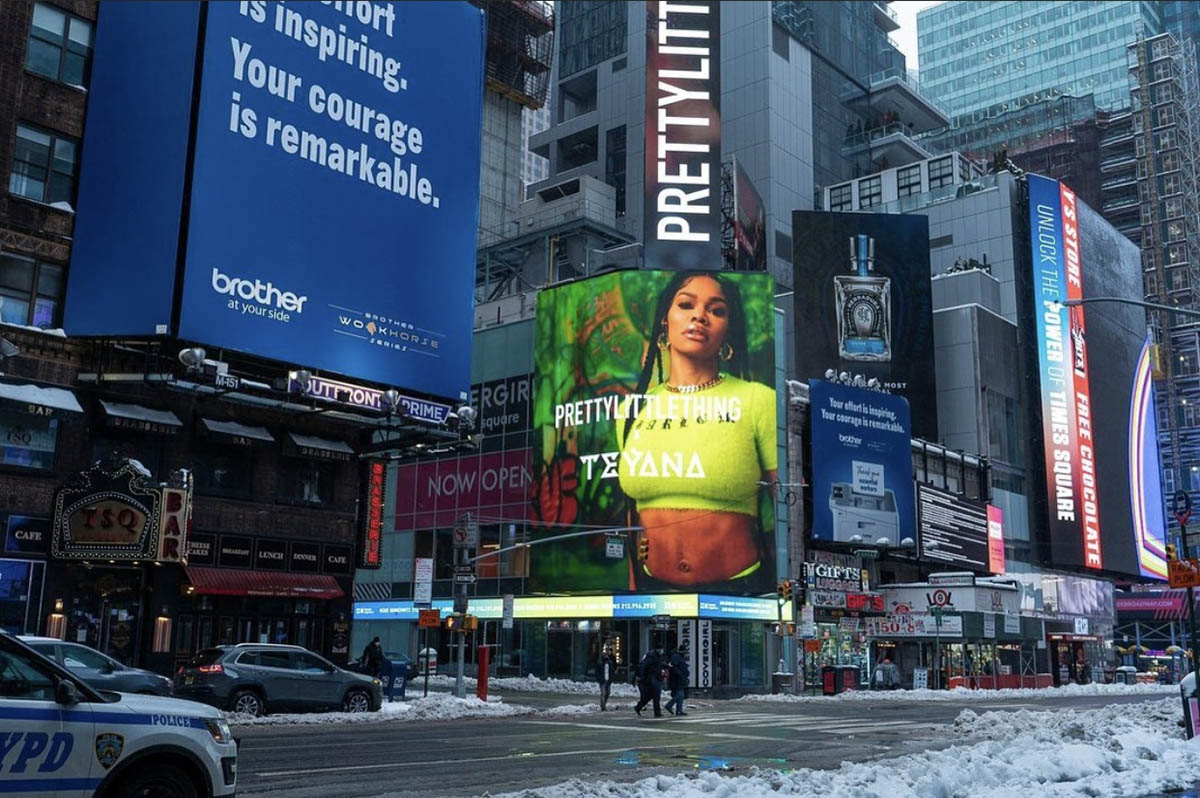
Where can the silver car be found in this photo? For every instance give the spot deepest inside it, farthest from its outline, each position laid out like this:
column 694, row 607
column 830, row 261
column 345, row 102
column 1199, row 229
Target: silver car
column 256, row 678
column 98, row 671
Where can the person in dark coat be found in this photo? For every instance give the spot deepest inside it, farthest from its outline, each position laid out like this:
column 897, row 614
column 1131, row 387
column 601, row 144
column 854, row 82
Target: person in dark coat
column 649, row 681
column 604, row 675
column 678, row 680
column 372, row 658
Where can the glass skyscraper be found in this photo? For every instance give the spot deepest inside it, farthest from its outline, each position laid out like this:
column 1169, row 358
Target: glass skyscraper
column 982, row 59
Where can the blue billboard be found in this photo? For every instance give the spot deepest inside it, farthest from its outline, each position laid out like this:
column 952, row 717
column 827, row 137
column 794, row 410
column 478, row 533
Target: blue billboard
column 132, row 169
column 862, row 471
column 335, row 189
column 331, row 214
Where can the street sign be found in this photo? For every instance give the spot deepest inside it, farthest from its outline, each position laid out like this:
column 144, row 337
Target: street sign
column 1182, row 507
column 423, row 580
column 464, row 579
column 661, row 622
column 464, row 568
column 429, row 619
column 1184, row 573
column 614, row 548
column 466, row 533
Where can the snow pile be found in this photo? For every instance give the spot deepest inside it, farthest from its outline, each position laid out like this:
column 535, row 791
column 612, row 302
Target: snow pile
column 532, row 684
column 1128, row 750
column 440, row 706
column 964, row 694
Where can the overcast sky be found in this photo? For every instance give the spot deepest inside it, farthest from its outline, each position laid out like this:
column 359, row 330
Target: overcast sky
column 906, row 37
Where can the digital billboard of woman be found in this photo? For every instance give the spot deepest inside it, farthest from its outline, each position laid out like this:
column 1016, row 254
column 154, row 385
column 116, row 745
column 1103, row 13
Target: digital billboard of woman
column 655, row 413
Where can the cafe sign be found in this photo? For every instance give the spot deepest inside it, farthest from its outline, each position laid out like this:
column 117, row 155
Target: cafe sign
column 111, row 511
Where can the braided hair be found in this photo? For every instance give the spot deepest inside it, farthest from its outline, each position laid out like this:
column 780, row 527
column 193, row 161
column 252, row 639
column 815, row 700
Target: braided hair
column 737, row 366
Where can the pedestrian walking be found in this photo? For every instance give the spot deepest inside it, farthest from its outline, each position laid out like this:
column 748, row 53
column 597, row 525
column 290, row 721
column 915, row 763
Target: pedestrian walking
column 649, row 681
column 372, row 658
column 604, row 675
column 677, row 680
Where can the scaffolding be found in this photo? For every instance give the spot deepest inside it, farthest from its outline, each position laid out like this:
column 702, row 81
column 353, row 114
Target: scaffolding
column 520, row 45
column 1165, row 110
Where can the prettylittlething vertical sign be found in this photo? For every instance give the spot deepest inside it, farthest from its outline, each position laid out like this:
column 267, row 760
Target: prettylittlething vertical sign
column 682, row 212
column 1071, row 490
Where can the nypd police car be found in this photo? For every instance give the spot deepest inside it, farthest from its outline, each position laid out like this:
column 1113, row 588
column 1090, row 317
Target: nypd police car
column 59, row 737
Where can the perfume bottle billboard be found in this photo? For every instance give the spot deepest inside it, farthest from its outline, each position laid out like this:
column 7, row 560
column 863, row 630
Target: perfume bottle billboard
column 864, row 303
column 864, row 306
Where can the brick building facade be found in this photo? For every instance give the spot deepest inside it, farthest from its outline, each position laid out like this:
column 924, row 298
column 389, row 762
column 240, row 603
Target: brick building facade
column 271, row 553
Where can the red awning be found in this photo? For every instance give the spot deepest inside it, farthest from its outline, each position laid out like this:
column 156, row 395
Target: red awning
column 230, row 582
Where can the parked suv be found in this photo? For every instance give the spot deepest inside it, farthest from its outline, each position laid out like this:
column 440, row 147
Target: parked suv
column 98, row 671
column 253, row 678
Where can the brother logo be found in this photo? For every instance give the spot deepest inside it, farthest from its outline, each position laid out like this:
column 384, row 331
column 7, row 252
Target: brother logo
column 257, row 291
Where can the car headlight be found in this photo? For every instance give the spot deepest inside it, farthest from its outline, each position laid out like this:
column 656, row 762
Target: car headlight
column 376, row 681
column 219, row 730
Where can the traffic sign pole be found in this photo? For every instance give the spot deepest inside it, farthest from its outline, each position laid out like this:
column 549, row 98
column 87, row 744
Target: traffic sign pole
column 1191, row 600
column 1183, row 512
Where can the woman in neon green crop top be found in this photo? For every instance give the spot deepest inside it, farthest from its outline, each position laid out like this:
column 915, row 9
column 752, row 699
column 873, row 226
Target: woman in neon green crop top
column 696, row 448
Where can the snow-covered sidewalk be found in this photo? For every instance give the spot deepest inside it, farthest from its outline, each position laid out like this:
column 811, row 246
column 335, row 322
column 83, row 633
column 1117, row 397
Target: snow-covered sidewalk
column 531, row 684
column 1127, row 750
column 963, row 694
column 437, row 706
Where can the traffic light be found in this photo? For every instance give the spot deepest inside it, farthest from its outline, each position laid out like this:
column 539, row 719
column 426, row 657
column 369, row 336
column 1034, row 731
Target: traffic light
column 643, row 548
column 454, row 623
column 470, row 623
column 785, row 590
column 1172, row 553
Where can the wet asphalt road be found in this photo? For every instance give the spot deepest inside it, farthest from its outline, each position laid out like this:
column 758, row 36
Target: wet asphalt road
column 497, row 755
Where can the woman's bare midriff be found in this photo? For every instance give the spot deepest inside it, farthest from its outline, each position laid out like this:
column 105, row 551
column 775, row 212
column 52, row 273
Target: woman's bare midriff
column 693, row 547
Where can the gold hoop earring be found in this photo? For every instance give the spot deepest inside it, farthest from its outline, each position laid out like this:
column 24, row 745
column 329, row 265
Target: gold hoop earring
column 663, row 343
column 726, row 351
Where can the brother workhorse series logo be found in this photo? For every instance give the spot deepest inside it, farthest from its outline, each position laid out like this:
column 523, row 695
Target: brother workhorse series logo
column 256, row 298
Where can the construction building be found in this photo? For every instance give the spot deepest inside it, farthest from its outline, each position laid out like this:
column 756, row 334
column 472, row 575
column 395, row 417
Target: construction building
column 520, row 43
column 1149, row 177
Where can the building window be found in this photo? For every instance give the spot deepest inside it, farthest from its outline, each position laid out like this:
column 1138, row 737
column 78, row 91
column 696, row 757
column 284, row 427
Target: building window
column 306, row 481
column 28, row 441
column 43, row 166
column 1173, row 207
column 219, row 473
column 31, row 291
column 1171, row 184
column 1170, row 161
column 60, row 46
column 908, row 180
column 1176, row 254
column 941, row 172
column 1166, row 140
column 870, row 191
column 614, row 165
column 840, row 198
column 1164, row 116
column 1175, row 230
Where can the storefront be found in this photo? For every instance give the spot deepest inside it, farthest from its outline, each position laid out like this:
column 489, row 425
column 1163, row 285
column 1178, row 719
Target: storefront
column 246, row 588
column 837, row 602
column 959, row 630
column 562, row 636
column 23, row 573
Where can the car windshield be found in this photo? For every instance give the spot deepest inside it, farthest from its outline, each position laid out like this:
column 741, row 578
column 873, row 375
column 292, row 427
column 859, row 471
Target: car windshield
column 205, row 657
column 394, row 655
